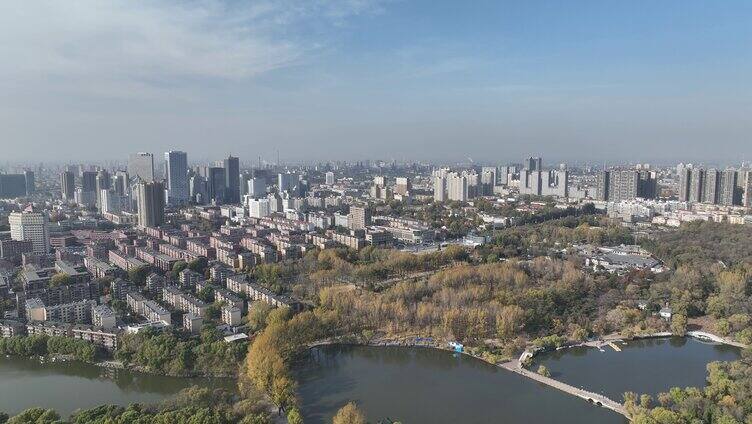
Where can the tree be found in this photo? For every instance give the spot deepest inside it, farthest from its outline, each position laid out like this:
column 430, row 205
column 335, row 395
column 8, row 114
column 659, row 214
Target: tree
column 36, row 416
column 679, row 324
column 60, row 279
column 257, row 314
column 138, row 274
column 294, row 416
column 542, row 370
column 349, row 414
column 509, row 321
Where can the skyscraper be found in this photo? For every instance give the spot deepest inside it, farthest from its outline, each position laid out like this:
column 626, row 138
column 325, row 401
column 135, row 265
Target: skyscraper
column 329, row 178
column 439, row 188
column 89, row 181
column 67, row 185
column 30, row 183
column 150, row 196
column 623, row 185
column 256, row 187
column 712, row 189
column 30, row 225
column 730, row 193
column 685, row 183
column 176, row 170
column 697, row 186
column 359, row 217
column 141, row 166
column 215, row 184
column 12, row 185
column 103, row 183
column 534, row 164
column 604, row 180
column 232, row 179
column 457, row 188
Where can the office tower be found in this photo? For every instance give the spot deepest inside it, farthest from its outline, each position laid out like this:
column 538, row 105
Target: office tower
column 30, row 225
column 647, row 186
column 141, row 166
column 121, row 184
column 232, row 179
column 256, row 187
column 457, row 188
column 215, row 184
column 697, row 186
column 685, row 183
column 89, row 181
column 329, row 178
column 102, row 183
column 604, row 180
column 712, row 187
column 244, row 178
column 67, row 185
column 150, row 197
column 534, row 164
column 111, row 202
column 622, row 185
column 30, row 184
column 403, row 186
column 729, row 192
column 176, row 171
column 197, row 189
column 286, row 182
column 12, row 185
column 359, row 217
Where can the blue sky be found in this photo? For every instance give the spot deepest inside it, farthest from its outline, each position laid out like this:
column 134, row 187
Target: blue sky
column 354, row 79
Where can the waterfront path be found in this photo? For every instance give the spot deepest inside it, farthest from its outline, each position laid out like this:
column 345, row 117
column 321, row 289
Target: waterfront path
column 595, row 398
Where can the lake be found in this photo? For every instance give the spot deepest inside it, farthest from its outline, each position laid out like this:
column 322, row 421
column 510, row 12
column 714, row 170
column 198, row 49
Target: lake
column 643, row 366
column 418, row 385
column 71, row 385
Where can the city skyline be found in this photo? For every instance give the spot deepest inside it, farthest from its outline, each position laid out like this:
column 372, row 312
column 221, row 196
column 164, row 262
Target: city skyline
column 352, row 80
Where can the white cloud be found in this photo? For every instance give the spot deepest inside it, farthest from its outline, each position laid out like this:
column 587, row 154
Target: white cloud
column 121, row 47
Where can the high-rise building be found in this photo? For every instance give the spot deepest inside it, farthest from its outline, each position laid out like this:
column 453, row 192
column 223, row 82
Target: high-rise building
column 232, row 179
column 329, row 178
column 67, row 185
column 744, row 181
column 730, row 193
column 150, row 197
column 12, row 185
column 623, row 185
column 215, row 184
column 244, row 178
column 102, row 183
column 89, row 181
column 286, row 182
column 176, row 171
column 403, row 186
column 197, row 189
column 647, row 186
column 30, row 225
column 712, row 189
column 439, row 188
column 697, row 186
column 685, row 183
column 359, row 217
column 457, row 188
column 534, row 164
column 258, row 208
column 141, row 166
column 604, row 180
column 256, row 187
column 30, row 183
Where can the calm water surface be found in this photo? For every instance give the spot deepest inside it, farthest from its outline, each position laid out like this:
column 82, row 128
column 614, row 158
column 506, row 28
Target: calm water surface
column 67, row 386
column 419, row 386
column 643, row 366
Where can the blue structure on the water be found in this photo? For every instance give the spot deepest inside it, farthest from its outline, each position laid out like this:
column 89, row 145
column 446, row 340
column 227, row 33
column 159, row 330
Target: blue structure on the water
column 458, row 347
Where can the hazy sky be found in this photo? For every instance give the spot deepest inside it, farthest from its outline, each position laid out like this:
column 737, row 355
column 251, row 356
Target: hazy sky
column 351, row 79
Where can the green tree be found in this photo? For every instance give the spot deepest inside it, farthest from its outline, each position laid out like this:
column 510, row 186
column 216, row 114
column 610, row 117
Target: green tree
column 138, row 274
column 542, row 370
